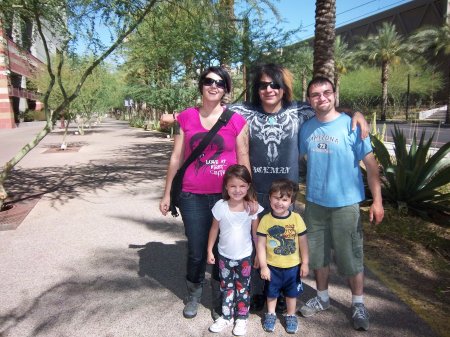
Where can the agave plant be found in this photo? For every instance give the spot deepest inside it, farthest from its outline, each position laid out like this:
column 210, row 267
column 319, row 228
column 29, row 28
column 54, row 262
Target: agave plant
column 412, row 179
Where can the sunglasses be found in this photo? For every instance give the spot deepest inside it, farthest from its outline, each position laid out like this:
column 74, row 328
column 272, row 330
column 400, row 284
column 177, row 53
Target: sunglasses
column 264, row 85
column 208, row 81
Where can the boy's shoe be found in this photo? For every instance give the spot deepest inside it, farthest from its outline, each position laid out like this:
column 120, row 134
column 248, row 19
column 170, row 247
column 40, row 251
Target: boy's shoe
column 313, row 306
column 257, row 303
column 220, row 324
column 269, row 322
column 291, row 323
column 360, row 317
column 240, row 327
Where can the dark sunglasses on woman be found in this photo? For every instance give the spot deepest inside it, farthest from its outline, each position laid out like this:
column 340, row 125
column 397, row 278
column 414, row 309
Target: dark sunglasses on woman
column 264, row 85
column 208, row 81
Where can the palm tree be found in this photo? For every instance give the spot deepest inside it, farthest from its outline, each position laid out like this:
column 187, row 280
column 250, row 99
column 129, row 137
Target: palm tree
column 324, row 38
column 435, row 40
column 302, row 64
column 386, row 48
column 342, row 60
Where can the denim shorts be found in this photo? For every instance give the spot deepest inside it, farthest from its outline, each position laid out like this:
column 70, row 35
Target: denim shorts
column 337, row 228
column 286, row 280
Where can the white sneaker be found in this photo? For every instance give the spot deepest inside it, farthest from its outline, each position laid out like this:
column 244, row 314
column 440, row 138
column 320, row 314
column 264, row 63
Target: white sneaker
column 240, row 327
column 220, row 324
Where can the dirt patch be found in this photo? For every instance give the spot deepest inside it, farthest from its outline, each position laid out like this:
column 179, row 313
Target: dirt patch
column 14, row 213
column 66, row 150
column 71, row 147
column 412, row 257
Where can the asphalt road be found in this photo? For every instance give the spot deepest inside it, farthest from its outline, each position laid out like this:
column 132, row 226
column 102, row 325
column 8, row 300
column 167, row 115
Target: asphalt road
column 441, row 133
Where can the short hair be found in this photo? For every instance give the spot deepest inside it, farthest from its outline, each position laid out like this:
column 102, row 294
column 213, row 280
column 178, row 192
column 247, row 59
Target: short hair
column 285, row 187
column 240, row 172
column 279, row 75
column 319, row 80
column 220, row 71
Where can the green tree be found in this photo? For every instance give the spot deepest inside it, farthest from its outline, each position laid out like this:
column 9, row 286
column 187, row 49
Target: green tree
column 386, row 48
column 435, row 40
column 324, row 38
column 71, row 21
column 342, row 60
column 302, row 64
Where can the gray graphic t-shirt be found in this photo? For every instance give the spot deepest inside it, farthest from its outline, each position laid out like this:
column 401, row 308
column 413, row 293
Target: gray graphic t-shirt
column 274, row 141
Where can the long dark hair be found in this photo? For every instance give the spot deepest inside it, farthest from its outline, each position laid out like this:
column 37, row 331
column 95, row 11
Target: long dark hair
column 279, row 75
column 240, row 172
column 219, row 71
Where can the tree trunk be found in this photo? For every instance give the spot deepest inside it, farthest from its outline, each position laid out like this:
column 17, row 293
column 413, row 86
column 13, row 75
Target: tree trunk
column 447, row 114
column 18, row 157
column 324, row 39
column 337, row 84
column 304, row 86
column 384, row 86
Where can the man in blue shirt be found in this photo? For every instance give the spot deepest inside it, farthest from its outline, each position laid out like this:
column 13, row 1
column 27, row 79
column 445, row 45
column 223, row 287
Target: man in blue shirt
column 334, row 189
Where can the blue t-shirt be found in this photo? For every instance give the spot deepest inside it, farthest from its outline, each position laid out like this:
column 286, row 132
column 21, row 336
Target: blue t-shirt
column 333, row 154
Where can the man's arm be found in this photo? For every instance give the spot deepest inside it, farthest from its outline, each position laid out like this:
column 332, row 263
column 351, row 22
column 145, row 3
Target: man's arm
column 376, row 212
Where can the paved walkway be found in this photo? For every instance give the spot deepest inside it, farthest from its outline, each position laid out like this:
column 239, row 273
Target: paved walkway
column 95, row 258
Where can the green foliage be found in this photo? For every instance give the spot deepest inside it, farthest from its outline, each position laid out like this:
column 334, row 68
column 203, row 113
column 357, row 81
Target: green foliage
column 101, row 91
column 374, row 131
column 413, row 179
column 360, row 88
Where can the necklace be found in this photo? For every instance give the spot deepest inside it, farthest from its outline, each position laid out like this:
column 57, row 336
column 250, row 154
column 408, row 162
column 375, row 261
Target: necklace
column 272, row 120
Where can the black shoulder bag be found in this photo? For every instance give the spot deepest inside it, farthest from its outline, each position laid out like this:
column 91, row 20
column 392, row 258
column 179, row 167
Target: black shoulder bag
column 177, row 182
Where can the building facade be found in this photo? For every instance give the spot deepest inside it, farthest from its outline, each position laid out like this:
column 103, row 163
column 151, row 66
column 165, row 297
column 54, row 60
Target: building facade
column 22, row 53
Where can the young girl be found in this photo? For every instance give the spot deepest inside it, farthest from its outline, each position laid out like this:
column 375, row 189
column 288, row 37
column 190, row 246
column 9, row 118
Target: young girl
column 235, row 247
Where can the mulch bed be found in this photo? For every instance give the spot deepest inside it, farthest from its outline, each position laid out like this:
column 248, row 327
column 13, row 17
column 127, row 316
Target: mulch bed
column 15, row 213
column 59, row 150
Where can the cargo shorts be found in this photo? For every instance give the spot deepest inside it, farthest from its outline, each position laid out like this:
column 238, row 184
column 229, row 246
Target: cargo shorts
column 338, row 229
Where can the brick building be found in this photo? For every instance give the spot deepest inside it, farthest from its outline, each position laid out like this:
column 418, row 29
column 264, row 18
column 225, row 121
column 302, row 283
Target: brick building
column 21, row 54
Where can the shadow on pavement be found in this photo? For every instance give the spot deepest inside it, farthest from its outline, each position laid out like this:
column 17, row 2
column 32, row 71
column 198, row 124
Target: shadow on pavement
column 133, row 164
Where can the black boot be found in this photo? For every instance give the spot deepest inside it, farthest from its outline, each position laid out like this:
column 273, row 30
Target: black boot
column 192, row 300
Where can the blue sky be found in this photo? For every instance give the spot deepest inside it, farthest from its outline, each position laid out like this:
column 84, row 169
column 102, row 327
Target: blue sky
column 301, row 12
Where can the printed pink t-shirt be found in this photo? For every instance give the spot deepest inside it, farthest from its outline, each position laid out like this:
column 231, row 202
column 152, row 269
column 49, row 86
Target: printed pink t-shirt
column 205, row 174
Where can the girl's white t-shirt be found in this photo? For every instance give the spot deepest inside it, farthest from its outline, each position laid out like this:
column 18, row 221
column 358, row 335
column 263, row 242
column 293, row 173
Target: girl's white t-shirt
column 235, row 238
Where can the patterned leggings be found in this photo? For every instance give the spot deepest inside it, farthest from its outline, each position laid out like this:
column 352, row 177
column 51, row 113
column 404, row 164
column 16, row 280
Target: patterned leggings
column 235, row 284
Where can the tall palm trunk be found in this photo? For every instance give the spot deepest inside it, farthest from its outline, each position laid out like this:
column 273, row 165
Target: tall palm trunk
column 447, row 114
column 384, row 85
column 324, row 39
column 304, row 85
column 337, row 85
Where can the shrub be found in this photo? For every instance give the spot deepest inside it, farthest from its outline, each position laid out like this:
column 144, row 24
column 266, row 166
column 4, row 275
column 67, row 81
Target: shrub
column 412, row 178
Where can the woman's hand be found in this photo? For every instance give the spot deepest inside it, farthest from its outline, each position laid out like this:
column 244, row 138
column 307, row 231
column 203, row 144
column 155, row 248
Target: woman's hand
column 251, row 206
column 210, row 258
column 164, row 205
column 359, row 120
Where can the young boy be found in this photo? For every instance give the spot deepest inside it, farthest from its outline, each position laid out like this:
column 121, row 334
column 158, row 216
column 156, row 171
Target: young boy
column 282, row 250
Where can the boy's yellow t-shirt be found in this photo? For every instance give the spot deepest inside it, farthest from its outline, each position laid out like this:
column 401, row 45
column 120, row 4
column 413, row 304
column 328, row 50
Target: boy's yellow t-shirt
column 281, row 234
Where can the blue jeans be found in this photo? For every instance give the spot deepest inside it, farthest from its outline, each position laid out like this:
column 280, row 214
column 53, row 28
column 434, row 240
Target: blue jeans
column 196, row 214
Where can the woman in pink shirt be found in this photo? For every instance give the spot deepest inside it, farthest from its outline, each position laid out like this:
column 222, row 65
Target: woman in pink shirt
column 202, row 182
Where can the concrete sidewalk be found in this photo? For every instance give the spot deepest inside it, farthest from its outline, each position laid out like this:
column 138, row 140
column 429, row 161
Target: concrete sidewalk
column 94, row 257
